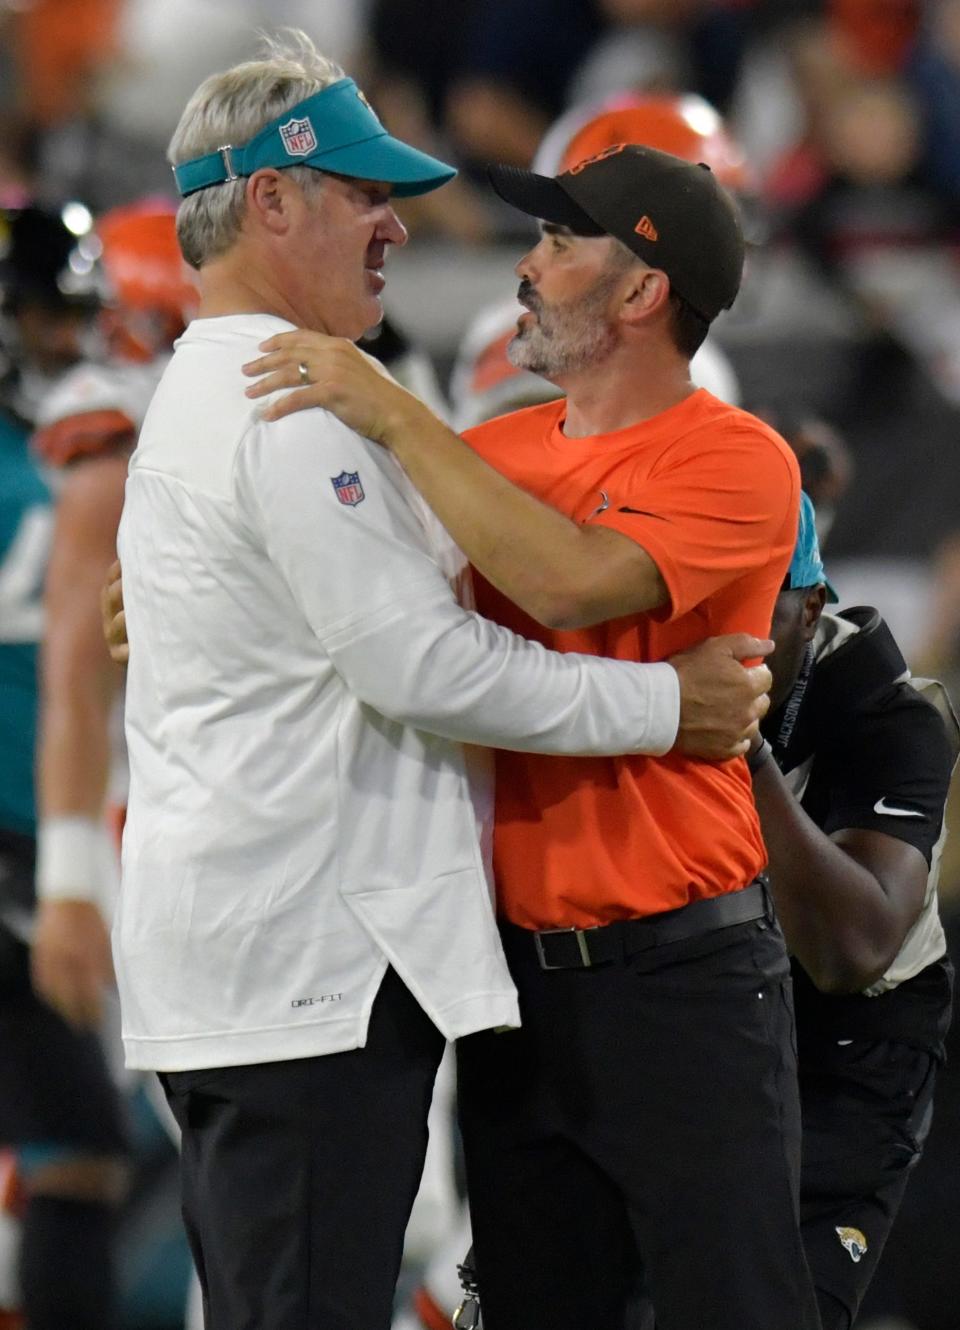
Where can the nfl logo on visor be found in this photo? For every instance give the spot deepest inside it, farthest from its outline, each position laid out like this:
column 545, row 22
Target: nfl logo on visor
column 347, row 488
column 298, row 137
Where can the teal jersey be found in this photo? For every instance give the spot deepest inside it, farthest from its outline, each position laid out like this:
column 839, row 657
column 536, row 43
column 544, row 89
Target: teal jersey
column 26, row 522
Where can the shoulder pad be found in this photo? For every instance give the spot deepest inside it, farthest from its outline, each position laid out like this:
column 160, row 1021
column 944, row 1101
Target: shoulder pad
column 862, row 662
column 933, row 691
column 90, row 434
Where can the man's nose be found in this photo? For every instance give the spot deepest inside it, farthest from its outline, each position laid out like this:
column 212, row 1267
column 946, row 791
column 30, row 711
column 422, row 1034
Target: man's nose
column 525, row 267
column 391, row 229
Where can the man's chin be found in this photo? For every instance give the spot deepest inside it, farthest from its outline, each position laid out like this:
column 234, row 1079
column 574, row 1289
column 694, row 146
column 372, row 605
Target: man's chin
column 537, row 365
column 523, row 354
column 367, row 322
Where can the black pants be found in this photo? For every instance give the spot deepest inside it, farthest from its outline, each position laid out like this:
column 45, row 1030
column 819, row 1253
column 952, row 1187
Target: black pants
column 299, row 1176
column 867, row 1109
column 647, row 1113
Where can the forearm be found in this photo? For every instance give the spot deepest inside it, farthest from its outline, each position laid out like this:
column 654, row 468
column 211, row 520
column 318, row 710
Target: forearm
column 552, row 568
column 440, row 669
column 837, row 919
column 76, row 858
column 74, row 756
column 79, row 684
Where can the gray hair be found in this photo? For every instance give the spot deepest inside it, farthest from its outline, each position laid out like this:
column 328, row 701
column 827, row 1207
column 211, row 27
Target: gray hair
column 231, row 107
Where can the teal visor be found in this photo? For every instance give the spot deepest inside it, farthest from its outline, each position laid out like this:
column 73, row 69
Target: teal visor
column 333, row 130
column 806, row 566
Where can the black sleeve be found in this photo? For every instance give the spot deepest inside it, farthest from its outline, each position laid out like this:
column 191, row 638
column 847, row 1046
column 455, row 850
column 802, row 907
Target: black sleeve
column 885, row 768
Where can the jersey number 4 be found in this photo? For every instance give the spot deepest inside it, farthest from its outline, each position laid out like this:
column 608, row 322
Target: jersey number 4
column 21, row 577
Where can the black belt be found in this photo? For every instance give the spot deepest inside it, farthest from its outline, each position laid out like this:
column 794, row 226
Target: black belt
column 580, row 948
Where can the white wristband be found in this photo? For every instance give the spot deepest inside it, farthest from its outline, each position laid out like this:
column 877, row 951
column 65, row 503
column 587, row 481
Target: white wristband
column 75, row 858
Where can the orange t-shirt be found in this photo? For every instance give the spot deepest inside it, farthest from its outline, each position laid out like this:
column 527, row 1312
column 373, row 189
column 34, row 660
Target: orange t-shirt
column 712, row 494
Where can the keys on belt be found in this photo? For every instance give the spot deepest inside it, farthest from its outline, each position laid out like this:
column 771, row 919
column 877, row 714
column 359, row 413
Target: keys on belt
column 467, row 1316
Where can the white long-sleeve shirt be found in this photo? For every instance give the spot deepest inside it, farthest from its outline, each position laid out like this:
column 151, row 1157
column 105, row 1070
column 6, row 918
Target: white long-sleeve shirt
column 302, row 683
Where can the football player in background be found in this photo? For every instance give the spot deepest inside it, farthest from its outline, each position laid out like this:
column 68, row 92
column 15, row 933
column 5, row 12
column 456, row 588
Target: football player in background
column 59, row 1109
column 87, row 428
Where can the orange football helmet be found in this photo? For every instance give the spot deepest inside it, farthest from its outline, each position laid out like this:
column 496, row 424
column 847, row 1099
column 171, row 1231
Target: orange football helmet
column 683, row 124
column 150, row 293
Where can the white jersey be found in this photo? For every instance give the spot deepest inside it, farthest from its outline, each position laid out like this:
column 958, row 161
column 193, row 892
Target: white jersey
column 111, row 386
column 302, row 681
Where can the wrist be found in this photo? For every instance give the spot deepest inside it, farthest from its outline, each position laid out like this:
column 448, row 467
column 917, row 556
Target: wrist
column 408, row 424
column 75, row 858
column 758, row 755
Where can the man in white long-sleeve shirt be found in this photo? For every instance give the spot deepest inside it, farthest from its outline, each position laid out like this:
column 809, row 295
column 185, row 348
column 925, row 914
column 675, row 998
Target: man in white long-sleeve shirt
column 305, row 911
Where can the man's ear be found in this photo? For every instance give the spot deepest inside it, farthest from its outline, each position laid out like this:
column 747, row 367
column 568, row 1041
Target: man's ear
column 647, row 292
column 813, row 605
column 268, row 200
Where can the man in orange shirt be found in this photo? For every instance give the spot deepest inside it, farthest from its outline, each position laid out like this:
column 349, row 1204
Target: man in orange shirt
column 647, row 1113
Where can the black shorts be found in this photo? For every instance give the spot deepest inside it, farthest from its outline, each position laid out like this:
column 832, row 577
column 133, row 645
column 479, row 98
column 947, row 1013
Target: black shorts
column 56, row 1092
column 644, row 1119
column 867, row 1108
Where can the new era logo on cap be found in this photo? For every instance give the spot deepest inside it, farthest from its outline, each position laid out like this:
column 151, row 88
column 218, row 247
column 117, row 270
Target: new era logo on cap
column 646, row 229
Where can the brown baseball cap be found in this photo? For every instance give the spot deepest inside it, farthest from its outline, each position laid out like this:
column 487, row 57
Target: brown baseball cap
column 672, row 214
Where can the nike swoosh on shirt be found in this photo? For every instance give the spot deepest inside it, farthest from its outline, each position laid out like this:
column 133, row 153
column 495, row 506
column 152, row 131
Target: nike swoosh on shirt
column 642, row 512
column 882, row 807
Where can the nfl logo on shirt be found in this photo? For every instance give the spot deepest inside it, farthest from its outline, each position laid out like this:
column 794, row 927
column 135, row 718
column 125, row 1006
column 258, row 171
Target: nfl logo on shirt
column 347, row 488
column 298, row 137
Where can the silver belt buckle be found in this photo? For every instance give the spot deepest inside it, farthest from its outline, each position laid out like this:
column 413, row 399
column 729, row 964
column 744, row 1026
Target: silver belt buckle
column 541, row 933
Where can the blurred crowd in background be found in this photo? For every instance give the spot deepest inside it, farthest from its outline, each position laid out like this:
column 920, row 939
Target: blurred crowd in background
column 844, row 116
